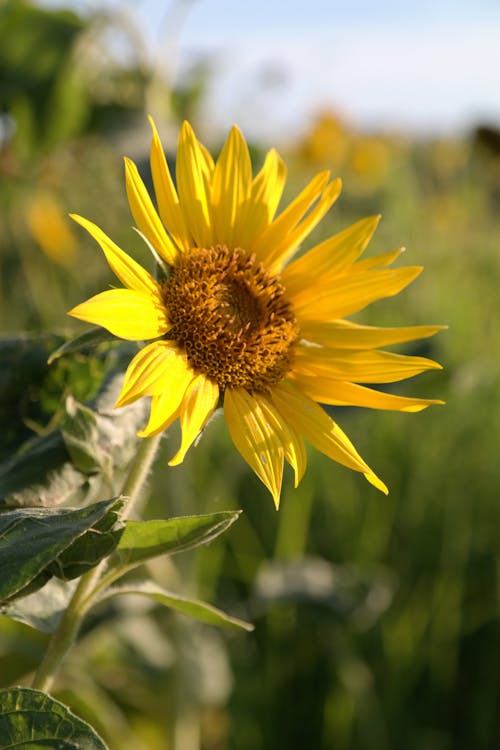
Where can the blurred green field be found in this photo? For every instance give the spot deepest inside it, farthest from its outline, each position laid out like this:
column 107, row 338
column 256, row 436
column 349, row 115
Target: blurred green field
column 377, row 618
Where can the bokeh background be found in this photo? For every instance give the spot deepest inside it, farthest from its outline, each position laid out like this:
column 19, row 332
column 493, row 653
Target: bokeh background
column 376, row 618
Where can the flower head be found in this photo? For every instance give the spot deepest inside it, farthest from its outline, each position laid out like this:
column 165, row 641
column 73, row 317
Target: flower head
column 237, row 321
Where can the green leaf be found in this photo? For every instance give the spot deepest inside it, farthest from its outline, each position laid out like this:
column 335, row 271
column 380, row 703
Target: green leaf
column 41, row 610
column 83, row 439
column 191, row 607
column 87, row 340
column 92, row 546
column 32, row 719
column 143, row 540
column 33, row 539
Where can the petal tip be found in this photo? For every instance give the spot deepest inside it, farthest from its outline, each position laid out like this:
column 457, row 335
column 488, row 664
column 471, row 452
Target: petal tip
column 376, row 482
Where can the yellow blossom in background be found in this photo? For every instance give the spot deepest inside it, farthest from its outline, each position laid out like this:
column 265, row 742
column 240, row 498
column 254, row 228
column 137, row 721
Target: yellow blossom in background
column 327, row 142
column 238, row 321
column 370, row 158
column 48, row 225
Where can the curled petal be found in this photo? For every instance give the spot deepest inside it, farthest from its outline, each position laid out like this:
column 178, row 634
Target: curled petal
column 198, row 404
column 159, row 368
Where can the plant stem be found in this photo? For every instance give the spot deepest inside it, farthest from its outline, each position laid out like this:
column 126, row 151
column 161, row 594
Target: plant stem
column 65, row 635
column 139, row 472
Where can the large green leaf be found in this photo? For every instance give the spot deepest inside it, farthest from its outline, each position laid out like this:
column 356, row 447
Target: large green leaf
column 83, row 342
column 32, row 541
column 187, row 606
column 92, row 546
column 143, row 540
column 32, row 720
column 41, row 610
column 83, row 439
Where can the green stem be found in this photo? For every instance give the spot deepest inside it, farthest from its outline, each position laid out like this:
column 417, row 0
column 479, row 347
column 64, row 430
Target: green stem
column 64, row 637
column 139, row 472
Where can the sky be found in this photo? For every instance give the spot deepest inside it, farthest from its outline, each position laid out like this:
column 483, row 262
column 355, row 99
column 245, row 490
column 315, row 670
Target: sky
column 424, row 66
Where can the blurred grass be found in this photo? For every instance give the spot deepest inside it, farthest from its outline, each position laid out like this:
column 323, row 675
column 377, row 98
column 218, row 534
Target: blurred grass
column 399, row 645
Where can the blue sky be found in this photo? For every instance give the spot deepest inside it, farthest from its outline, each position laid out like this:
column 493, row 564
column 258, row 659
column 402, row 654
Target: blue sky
column 428, row 66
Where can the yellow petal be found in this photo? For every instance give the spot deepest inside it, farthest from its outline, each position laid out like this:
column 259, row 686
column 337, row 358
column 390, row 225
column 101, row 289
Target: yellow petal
column 351, row 293
column 274, row 234
column 159, row 368
column 282, row 253
column 295, row 450
column 125, row 313
column 254, row 438
column 163, row 413
column 370, row 366
column 343, row 334
column 166, row 195
column 126, row 269
column 230, row 187
column 330, row 258
column 257, row 212
column 145, row 216
column 315, row 426
column 337, row 393
column 378, row 261
column 193, row 184
column 198, row 404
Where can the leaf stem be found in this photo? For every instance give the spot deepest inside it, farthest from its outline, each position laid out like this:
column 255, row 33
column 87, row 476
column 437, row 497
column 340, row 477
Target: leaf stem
column 65, row 635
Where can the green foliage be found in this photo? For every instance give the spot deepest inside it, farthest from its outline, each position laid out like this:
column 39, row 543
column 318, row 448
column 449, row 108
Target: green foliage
column 46, row 99
column 87, row 340
column 32, row 719
column 144, row 540
column 187, row 606
column 37, row 543
column 31, row 391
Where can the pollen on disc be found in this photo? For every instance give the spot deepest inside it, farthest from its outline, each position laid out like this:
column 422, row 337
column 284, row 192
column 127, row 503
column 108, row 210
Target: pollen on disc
column 231, row 317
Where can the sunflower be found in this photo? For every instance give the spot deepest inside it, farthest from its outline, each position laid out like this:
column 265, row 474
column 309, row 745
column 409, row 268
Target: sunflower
column 236, row 321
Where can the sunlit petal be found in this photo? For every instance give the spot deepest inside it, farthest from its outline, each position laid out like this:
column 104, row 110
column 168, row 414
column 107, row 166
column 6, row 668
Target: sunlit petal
column 166, row 195
column 293, row 445
column 144, row 213
column 275, row 233
column 330, row 258
column 164, row 411
column 282, row 253
column 326, row 390
column 198, row 403
column 255, row 438
column 159, row 368
column 194, row 186
column 343, row 334
column 370, row 366
column 126, row 269
column 351, row 293
column 315, row 426
column 125, row 313
column 230, row 186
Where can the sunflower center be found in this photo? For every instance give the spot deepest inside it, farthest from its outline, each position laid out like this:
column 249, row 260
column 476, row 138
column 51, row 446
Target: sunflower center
column 231, row 317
